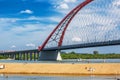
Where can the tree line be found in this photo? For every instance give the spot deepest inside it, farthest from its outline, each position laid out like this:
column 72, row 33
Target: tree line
column 95, row 55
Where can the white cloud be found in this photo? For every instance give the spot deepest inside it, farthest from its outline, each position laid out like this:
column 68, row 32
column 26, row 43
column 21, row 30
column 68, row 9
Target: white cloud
column 13, row 46
column 30, row 45
column 14, row 20
column 115, row 9
column 116, row 3
column 27, row 11
column 10, row 20
column 70, row 1
column 14, row 32
column 31, row 28
column 63, row 6
column 52, row 18
column 76, row 39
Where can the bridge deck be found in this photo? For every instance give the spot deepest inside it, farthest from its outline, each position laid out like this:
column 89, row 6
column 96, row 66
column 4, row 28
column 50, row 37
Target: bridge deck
column 85, row 45
column 75, row 46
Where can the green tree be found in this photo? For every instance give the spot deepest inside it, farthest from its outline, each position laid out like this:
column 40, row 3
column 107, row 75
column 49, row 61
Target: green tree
column 95, row 52
column 73, row 52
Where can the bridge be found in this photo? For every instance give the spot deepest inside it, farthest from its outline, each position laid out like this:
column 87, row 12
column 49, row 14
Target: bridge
column 77, row 30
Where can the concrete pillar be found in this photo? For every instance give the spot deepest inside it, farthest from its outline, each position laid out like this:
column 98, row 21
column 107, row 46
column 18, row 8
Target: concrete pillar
column 34, row 56
column 27, row 56
column 8, row 55
column 12, row 56
column 4, row 55
column 20, row 56
column 50, row 55
column 15, row 56
column 30, row 56
column 23, row 56
column 38, row 55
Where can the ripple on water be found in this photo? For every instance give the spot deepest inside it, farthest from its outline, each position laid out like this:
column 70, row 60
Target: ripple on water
column 55, row 77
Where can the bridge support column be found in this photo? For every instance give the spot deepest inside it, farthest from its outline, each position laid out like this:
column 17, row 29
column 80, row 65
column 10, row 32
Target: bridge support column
column 38, row 56
column 34, row 56
column 30, row 56
column 15, row 56
column 27, row 56
column 20, row 56
column 23, row 56
column 50, row 55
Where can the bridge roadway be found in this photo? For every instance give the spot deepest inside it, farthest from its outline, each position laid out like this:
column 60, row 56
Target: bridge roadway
column 26, row 54
column 85, row 45
column 75, row 46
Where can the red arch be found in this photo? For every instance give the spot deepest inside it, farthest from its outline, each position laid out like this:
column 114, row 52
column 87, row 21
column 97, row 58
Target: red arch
column 73, row 13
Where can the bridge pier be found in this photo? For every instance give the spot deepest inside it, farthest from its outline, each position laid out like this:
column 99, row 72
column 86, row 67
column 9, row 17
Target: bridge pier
column 34, row 56
column 23, row 56
column 50, row 55
column 27, row 56
column 15, row 56
column 30, row 56
column 12, row 56
column 38, row 54
column 20, row 56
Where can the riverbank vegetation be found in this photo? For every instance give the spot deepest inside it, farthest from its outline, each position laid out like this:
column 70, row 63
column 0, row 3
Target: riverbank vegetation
column 94, row 55
column 3, row 57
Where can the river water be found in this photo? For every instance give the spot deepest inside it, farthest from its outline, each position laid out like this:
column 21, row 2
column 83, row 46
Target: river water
column 56, row 77
column 66, row 61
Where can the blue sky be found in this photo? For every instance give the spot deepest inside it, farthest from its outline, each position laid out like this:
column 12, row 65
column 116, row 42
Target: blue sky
column 25, row 24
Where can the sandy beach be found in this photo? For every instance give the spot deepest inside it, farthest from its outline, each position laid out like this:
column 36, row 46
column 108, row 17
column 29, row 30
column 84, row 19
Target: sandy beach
column 58, row 68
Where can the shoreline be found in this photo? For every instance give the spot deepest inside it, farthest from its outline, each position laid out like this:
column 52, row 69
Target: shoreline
column 61, row 69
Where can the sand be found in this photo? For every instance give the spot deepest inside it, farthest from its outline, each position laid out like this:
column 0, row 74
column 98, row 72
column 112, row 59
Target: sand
column 59, row 68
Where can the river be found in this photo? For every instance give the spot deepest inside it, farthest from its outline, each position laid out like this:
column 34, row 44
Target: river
column 66, row 61
column 56, row 77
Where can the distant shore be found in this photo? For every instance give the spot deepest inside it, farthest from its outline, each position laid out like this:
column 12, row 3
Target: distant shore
column 63, row 69
column 7, row 59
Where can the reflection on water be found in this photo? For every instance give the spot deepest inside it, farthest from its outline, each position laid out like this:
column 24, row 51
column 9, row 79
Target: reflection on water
column 66, row 61
column 56, row 77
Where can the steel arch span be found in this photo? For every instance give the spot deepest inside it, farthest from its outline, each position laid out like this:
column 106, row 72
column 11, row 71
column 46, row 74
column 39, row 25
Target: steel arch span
column 57, row 34
column 95, row 25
